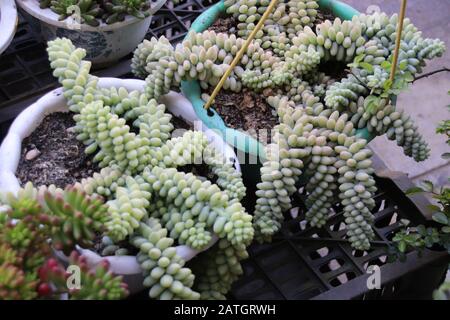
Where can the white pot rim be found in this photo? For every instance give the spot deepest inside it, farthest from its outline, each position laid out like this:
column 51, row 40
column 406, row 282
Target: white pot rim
column 48, row 16
column 8, row 23
column 30, row 118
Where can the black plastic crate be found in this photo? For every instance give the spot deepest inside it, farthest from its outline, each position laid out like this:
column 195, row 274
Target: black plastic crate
column 24, row 67
column 173, row 21
column 304, row 262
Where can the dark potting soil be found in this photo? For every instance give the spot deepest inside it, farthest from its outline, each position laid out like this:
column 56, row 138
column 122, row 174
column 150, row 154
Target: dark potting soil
column 323, row 15
column 247, row 111
column 99, row 246
column 201, row 170
column 336, row 70
column 224, row 25
column 180, row 123
column 53, row 155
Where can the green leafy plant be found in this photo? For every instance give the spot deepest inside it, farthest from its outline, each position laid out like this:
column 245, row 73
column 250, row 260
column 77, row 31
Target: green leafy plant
column 444, row 128
column 420, row 237
column 441, row 211
column 117, row 10
column 92, row 12
column 441, row 214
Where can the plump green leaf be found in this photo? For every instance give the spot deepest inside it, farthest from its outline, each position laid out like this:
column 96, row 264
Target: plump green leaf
column 429, row 242
column 422, row 230
column 446, row 229
column 408, row 77
column 366, row 66
column 427, row 185
column 440, row 218
column 387, row 84
column 414, row 190
column 402, row 246
column 359, row 58
column 371, row 99
column 403, row 65
column 386, row 65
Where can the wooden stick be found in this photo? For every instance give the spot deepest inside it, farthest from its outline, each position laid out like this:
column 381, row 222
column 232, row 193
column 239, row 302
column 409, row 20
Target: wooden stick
column 240, row 53
column 399, row 37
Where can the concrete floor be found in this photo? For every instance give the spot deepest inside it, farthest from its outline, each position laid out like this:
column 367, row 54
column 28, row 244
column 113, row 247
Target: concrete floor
column 427, row 99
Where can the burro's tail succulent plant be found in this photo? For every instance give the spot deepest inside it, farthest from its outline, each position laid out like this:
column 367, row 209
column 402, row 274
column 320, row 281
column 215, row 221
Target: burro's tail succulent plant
column 204, row 57
column 191, row 207
column 287, row 19
column 154, row 199
column 164, row 270
column 324, row 150
column 324, row 123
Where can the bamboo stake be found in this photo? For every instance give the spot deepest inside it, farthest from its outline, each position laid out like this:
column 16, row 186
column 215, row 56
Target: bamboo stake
column 398, row 39
column 239, row 55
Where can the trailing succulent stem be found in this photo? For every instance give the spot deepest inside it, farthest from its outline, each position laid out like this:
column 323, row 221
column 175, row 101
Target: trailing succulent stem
column 338, row 167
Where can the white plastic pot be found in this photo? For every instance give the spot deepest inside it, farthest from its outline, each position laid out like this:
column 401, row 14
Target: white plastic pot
column 8, row 23
column 29, row 119
column 104, row 44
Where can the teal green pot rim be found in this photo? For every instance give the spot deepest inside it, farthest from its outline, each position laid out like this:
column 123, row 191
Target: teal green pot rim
column 192, row 91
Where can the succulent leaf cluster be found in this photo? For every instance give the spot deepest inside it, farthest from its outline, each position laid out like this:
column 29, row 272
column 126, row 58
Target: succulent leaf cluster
column 188, row 206
column 164, row 270
column 36, row 222
column 117, row 10
column 218, row 268
column 287, row 19
column 98, row 283
column 201, row 56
